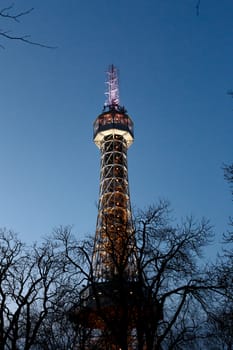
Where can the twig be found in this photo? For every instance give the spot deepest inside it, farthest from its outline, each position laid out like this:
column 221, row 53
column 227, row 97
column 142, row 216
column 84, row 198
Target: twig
column 230, row 92
column 5, row 13
column 198, row 7
column 25, row 39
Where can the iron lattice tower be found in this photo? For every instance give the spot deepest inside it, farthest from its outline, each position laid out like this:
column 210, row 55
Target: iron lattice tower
column 113, row 134
column 108, row 308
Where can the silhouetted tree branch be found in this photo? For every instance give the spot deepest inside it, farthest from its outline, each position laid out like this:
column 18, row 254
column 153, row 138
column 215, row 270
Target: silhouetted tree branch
column 220, row 323
column 198, row 4
column 228, row 237
column 169, row 282
column 228, row 174
column 8, row 15
column 230, row 92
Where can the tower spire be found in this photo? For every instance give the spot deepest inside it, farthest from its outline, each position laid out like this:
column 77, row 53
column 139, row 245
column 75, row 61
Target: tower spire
column 112, row 93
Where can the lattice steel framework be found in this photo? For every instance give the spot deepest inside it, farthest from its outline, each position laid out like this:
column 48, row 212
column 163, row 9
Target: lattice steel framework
column 113, row 134
column 108, row 308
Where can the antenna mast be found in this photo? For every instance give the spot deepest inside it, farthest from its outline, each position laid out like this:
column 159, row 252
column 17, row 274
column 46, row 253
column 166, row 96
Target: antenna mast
column 112, row 93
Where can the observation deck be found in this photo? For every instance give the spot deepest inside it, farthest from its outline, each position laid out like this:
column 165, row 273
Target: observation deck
column 115, row 121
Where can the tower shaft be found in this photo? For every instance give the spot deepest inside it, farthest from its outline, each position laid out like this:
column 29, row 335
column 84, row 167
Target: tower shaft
column 113, row 134
column 114, row 230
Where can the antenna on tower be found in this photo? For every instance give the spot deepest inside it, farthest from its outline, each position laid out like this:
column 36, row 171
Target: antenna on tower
column 112, row 93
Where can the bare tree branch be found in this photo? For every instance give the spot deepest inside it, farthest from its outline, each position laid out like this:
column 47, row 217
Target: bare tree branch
column 7, row 14
column 198, row 7
column 230, row 92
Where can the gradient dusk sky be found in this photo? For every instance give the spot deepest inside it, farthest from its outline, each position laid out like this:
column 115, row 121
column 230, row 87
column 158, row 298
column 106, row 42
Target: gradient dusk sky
column 175, row 71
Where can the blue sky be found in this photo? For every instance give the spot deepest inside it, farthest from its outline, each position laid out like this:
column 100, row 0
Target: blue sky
column 175, row 71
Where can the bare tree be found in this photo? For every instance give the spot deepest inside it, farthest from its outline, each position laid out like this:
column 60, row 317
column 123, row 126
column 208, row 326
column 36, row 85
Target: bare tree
column 155, row 311
column 33, row 291
column 220, row 328
column 220, row 323
column 50, row 299
column 169, row 262
column 228, row 174
column 228, row 237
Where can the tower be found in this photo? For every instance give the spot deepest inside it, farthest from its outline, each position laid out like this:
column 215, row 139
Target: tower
column 108, row 304
column 113, row 134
